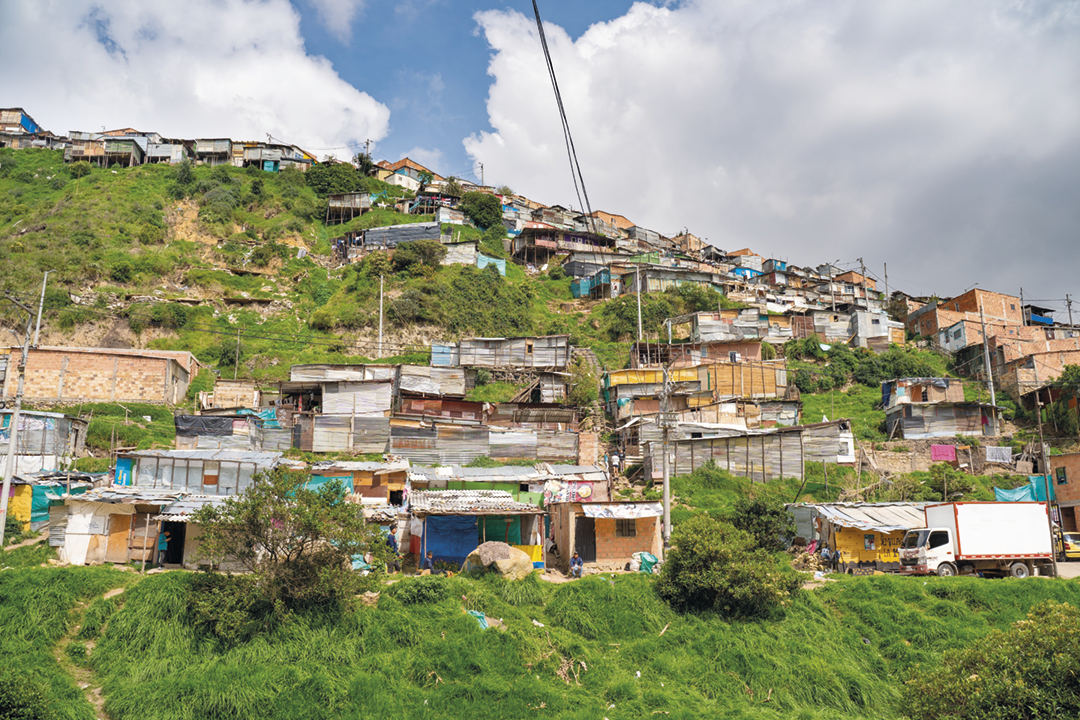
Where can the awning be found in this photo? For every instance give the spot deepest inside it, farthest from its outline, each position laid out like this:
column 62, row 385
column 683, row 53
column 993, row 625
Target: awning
column 622, row 511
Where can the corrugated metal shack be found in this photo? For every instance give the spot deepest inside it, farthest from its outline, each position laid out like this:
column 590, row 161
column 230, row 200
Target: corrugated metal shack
column 549, row 352
column 437, row 381
column 866, row 536
column 923, row 408
column 203, row 472
column 46, row 441
column 761, row 455
column 452, row 523
column 461, row 253
column 184, row 543
column 394, row 235
column 366, row 481
column 218, row 432
column 114, row 525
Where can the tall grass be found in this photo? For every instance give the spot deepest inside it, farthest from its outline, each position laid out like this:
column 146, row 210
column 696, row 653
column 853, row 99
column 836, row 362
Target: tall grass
column 36, row 610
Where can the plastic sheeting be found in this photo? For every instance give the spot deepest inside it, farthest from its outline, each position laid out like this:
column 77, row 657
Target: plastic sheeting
column 1034, row 491
column 998, row 454
column 198, row 425
column 493, row 529
column 451, row 537
column 623, row 511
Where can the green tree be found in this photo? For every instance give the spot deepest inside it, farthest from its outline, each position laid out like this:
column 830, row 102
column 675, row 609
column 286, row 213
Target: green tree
column 768, row 522
column 328, row 178
column 453, row 187
column 484, row 209
column 504, row 190
column 79, row 169
column 297, row 543
column 418, row 254
column 947, row 483
column 713, row 566
column 1027, row 671
column 364, row 165
column 584, row 386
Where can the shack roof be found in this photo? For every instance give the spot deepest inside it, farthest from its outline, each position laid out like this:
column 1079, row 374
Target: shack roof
column 881, row 517
column 357, row 466
column 262, row 459
column 182, row 509
column 469, row 502
column 129, row 495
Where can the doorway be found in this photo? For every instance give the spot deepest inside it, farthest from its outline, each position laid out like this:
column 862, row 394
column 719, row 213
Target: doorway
column 585, row 537
column 174, row 555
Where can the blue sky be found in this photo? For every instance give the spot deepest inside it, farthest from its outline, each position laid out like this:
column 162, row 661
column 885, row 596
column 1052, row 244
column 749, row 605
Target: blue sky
column 427, row 61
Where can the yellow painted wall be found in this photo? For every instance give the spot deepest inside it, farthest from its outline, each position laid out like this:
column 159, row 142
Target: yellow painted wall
column 21, row 504
column 851, row 543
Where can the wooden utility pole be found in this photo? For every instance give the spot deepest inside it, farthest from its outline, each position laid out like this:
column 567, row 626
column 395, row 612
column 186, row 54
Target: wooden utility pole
column 13, row 429
column 886, row 282
column 1046, row 481
column 1068, row 304
column 989, row 373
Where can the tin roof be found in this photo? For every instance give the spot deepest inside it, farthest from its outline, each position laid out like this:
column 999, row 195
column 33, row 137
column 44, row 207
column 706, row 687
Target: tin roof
column 266, row 459
column 182, row 509
column 882, row 517
column 469, row 502
column 131, row 495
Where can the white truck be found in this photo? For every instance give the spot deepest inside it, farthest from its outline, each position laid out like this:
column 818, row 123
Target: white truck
column 992, row 538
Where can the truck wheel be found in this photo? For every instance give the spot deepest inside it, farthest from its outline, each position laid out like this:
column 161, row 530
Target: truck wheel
column 946, row 570
column 1019, row 570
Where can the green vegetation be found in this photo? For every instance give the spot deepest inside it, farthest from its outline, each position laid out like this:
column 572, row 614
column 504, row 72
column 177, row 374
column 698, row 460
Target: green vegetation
column 496, row 392
column 857, row 403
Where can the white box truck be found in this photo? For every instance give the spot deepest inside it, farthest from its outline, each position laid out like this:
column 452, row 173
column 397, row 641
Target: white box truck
column 992, row 538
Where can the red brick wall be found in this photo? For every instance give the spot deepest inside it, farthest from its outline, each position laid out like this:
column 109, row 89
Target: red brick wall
column 1070, row 491
column 609, row 547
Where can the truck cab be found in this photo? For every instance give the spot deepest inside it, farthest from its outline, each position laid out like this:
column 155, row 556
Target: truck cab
column 928, row 551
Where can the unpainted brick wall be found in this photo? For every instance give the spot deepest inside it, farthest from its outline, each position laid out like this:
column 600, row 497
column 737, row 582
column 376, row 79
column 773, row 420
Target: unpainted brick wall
column 611, row 547
column 92, row 376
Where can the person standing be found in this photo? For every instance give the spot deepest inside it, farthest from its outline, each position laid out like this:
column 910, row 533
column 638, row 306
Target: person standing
column 394, row 563
column 615, row 464
column 162, row 547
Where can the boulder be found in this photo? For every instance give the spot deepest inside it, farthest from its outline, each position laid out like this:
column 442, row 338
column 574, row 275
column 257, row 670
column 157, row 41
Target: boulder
column 511, row 563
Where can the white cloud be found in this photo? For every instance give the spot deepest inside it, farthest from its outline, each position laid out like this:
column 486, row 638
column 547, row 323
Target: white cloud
column 337, row 16
column 430, row 158
column 943, row 137
column 225, row 68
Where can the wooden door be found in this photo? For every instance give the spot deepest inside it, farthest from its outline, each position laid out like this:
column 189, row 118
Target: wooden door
column 119, row 530
column 585, row 538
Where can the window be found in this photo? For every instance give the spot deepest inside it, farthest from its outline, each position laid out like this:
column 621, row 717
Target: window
column 1012, row 306
column 528, row 347
column 938, row 538
column 733, row 356
column 956, row 334
column 875, row 322
column 1062, row 478
column 868, row 542
column 925, row 395
column 626, row 528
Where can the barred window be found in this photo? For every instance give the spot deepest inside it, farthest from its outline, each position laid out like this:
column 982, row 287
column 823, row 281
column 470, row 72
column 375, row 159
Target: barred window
column 626, row 528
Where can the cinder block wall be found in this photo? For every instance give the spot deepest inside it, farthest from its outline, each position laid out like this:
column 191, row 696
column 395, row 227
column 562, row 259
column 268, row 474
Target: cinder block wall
column 54, row 375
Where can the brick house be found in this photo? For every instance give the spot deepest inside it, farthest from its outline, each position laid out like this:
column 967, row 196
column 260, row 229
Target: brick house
column 1065, row 476
column 605, row 534
column 997, row 310
column 68, row 374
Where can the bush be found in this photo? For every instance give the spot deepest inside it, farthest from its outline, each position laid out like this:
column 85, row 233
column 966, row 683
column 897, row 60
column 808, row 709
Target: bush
column 584, row 386
column 417, row 254
column 483, row 209
column 1026, row 671
column 22, row 698
column 768, row 522
column 715, row 567
column 425, row 590
column 79, row 169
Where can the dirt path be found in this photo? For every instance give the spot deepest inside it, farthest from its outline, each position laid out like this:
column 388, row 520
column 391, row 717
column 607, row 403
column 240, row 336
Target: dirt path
column 82, row 675
column 42, row 537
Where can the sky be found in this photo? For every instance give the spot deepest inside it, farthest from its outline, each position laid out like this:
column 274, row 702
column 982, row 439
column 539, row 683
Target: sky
column 939, row 138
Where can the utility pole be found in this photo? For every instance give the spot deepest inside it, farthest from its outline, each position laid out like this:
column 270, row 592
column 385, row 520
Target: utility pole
column 862, row 273
column 886, row 282
column 1023, row 320
column 989, row 373
column 41, row 306
column 639, row 333
column 236, row 360
column 380, row 314
column 482, row 175
column 665, row 423
column 13, row 429
column 367, row 147
column 1068, row 304
column 1046, row 481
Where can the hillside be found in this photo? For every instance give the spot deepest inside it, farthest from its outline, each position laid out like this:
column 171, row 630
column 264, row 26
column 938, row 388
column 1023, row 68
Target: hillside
column 605, row 646
column 157, row 257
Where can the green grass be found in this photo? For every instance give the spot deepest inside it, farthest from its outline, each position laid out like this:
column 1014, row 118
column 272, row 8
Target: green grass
column 109, row 418
column 856, row 403
column 37, row 607
column 494, row 392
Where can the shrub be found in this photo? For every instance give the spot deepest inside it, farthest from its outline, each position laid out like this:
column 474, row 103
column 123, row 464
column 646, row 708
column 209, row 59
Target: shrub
column 768, row 522
column 424, row 590
column 557, row 272
column 584, row 386
column 483, row 209
column 121, row 271
column 715, row 567
column 22, row 698
column 419, row 253
column 79, row 169
column 1026, row 671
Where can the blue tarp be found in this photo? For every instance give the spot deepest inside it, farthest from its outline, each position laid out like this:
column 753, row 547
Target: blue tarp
column 317, row 481
column 451, row 537
column 1034, row 491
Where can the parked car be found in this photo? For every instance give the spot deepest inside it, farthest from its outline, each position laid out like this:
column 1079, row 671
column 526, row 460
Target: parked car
column 1072, row 545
